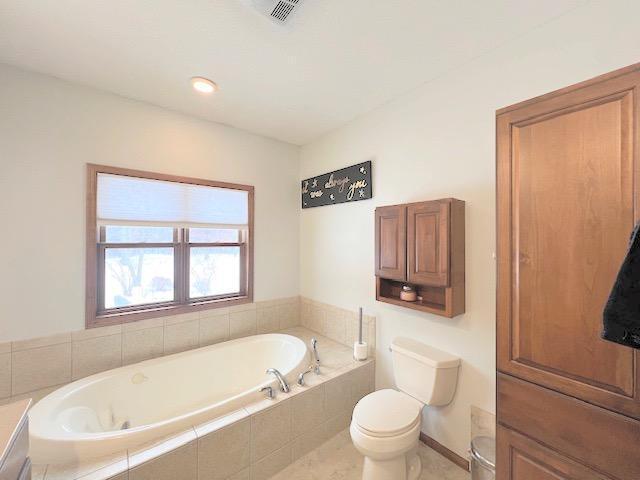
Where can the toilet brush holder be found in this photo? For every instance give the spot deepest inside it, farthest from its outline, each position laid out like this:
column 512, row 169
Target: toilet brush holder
column 360, row 351
column 360, row 348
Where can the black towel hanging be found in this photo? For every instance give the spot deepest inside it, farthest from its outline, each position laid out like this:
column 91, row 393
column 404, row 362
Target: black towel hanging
column 621, row 317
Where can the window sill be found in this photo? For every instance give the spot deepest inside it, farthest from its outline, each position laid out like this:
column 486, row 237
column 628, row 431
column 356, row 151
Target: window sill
column 118, row 318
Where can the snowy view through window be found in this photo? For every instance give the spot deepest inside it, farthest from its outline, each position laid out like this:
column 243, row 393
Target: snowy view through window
column 145, row 274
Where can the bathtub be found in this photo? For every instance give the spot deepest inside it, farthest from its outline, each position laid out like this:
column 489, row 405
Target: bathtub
column 129, row 406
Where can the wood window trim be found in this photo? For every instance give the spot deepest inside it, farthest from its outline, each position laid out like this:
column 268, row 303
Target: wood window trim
column 92, row 318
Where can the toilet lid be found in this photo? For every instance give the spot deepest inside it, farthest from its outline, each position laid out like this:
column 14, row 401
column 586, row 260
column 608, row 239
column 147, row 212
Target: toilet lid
column 387, row 413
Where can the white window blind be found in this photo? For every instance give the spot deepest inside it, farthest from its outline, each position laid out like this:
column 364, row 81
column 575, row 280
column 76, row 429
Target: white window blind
column 123, row 200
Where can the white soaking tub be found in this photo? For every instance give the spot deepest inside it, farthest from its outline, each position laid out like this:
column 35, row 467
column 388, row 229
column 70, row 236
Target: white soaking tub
column 128, row 406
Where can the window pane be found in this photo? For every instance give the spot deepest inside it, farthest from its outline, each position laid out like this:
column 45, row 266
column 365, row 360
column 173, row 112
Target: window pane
column 214, row 271
column 213, row 235
column 128, row 234
column 136, row 276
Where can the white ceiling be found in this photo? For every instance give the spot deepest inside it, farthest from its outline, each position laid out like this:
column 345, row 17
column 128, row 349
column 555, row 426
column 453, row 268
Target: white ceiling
column 336, row 60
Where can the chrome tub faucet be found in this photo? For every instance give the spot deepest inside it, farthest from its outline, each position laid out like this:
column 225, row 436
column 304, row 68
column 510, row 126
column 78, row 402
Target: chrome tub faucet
column 284, row 386
column 314, row 346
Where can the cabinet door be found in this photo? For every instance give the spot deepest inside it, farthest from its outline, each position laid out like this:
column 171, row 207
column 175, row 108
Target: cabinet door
column 566, row 196
column 391, row 242
column 520, row 458
column 594, row 437
column 428, row 243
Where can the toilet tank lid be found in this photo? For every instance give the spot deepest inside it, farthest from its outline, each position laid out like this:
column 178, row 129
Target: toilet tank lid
column 424, row 353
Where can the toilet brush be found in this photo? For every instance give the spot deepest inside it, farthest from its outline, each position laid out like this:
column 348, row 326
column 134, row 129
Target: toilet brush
column 360, row 347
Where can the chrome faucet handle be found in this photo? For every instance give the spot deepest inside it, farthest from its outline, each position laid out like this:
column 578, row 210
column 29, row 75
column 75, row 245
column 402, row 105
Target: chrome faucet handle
column 270, row 392
column 314, row 346
column 284, row 386
column 301, row 376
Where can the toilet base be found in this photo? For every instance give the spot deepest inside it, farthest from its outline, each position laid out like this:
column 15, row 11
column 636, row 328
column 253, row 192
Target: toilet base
column 408, row 466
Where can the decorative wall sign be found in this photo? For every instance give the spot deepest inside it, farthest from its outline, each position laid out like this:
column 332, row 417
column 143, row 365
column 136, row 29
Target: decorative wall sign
column 348, row 184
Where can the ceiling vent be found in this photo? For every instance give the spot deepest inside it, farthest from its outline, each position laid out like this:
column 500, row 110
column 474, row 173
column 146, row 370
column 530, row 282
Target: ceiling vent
column 279, row 11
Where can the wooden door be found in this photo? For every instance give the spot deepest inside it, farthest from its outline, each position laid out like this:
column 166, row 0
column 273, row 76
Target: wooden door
column 567, row 201
column 391, row 242
column 428, row 243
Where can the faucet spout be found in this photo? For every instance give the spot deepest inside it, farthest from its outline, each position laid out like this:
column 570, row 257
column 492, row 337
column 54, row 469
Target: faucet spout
column 314, row 346
column 284, row 386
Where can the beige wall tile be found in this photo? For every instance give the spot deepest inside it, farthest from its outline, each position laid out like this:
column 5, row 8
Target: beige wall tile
column 181, row 464
column 309, row 441
column 272, row 464
column 5, row 375
column 305, row 313
column 288, row 315
column 338, row 423
column 96, row 332
column 213, row 329
column 269, row 303
column 270, row 430
column 96, row 355
column 334, row 324
column 482, row 422
column 213, row 312
column 183, row 317
column 337, row 396
column 41, row 342
column 5, row 347
column 35, row 395
column 307, row 410
column 267, row 320
column 316, row 319
column 362, row 382
column 141, row 345
column 40, row 367
column 143, row 324
column 181, row 336
column 225, row 451
column 242, row 324
column 243, row 307
column 243, row 475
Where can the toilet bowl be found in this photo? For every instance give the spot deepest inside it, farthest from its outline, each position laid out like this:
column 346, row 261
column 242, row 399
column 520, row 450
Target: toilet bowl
column 385, row 426
column 385, row 429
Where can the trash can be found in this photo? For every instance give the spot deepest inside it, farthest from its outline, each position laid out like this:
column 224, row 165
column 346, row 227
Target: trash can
column 483, row 458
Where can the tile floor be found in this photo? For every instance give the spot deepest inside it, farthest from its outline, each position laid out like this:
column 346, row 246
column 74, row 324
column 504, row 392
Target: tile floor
column 337, row 459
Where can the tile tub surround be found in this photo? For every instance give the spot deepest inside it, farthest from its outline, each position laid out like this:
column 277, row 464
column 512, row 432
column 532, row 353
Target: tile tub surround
column 337, row 323
column 252, row 443
column 34, row 368
column 482, row 423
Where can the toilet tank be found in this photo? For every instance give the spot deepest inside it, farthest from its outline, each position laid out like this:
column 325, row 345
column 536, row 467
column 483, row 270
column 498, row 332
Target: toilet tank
column 424, row 372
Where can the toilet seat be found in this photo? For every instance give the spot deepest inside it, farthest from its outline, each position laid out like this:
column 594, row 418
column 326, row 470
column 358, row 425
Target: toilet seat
column 387, row 413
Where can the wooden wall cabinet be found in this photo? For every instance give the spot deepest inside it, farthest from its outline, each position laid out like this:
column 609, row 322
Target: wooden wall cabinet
column 422, row 244
column 568, row 196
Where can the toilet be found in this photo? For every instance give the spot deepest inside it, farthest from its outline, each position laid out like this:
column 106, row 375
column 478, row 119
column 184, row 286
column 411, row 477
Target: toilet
column 385, row 426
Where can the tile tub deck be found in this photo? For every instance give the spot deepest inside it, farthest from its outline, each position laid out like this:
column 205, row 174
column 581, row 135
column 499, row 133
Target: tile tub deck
column 254, row 442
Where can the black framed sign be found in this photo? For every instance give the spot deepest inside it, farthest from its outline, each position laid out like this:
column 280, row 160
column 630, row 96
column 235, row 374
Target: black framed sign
column 348, row 184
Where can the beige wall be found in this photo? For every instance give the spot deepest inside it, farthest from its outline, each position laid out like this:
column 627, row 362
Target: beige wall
column 49, row 129
column 438, row 142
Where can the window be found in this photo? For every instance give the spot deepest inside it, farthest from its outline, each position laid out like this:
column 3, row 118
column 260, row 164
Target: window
column 161, row 245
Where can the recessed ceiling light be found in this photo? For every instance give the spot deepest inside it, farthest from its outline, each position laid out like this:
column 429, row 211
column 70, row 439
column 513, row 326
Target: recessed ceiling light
column 203, row 85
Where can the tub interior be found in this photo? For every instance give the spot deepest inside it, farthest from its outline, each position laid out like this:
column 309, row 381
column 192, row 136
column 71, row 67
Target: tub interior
column 155, row 391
